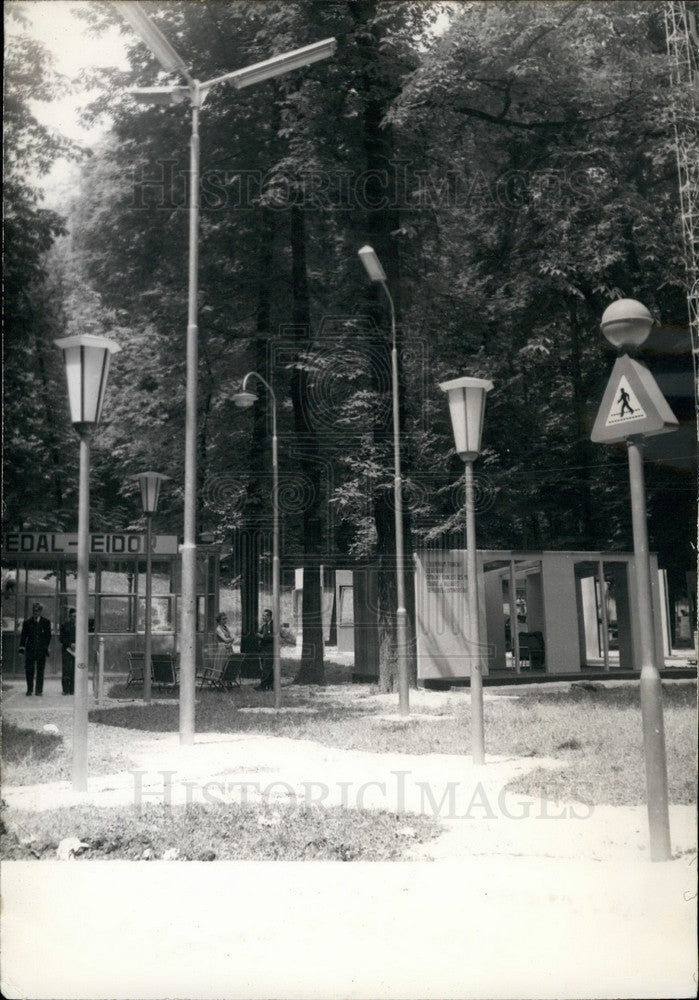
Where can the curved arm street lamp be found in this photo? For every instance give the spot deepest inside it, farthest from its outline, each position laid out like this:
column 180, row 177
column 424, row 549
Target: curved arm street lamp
column 150, row 483
column 195, row 92
column 245, row 399
column 467, row 410
column 376, row 273
column 86, row 359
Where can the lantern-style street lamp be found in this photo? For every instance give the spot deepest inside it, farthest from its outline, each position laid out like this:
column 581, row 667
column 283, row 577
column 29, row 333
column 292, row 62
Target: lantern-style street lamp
column 195, row 94
column 245, row 399
column 467, row 409
column 150, row 483
column 86, row 360
column 376, row 273
column 632, row 409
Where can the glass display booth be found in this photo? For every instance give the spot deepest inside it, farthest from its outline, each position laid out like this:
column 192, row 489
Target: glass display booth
column 553, row 612
column 42, row 566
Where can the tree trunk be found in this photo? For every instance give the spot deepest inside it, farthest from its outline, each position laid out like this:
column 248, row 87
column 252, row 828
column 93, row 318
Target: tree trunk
column 312, row 670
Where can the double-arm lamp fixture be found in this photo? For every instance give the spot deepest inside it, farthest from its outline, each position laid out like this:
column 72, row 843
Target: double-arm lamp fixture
column 195, row 93
column 86, row 359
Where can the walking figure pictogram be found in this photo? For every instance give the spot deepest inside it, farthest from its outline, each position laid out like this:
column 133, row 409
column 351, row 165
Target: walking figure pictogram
column 624, row 400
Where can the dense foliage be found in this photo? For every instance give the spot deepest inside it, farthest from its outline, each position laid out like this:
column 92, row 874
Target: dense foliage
column 515, row 172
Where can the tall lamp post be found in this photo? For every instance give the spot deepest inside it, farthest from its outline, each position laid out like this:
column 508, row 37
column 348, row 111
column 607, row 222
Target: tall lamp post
column 245, row 399
column 149, row 483
column 633, row 408
column 86, row 359
column 376, row 273
column 195, row 93
column 467, row 408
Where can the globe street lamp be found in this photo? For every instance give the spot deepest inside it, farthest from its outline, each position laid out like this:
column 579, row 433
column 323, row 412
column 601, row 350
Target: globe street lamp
column 86, row 359
column 632, row 409
column 149, row 483
column 195, row 92
column 244, row 399
column 467, row 408
column 376, row 273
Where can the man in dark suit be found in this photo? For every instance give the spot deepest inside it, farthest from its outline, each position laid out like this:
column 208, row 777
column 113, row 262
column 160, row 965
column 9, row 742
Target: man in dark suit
column 67, row 637
column 34, row 643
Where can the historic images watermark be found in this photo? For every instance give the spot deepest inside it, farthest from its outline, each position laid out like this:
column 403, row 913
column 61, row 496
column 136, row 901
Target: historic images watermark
column 400, row 188
column 401, row 792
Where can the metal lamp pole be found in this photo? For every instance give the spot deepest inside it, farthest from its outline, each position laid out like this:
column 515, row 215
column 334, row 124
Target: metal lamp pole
column 87, row 366
column 150, row 491
column 245, row 399
column 467, row 410
column 376, row 273
column 195, row 92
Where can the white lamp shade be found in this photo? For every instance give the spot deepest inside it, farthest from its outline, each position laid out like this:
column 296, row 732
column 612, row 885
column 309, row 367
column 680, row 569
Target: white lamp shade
column 467, row 409
column 371, row 263
column 150, row 483
column 244, row 399
column 86, row 359
column 626, row 323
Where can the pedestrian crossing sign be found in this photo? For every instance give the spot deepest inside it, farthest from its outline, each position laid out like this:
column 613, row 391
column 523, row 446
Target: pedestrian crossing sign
column 632, row 405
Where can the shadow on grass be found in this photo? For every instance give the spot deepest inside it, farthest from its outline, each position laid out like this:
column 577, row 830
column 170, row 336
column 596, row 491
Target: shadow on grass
column 680, row 694
column 19, row 744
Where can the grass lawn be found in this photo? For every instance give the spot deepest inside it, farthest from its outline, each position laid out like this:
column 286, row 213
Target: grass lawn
column 219, row 832
column 596, row 732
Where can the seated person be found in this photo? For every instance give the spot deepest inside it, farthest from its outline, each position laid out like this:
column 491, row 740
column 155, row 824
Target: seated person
column 225, row 636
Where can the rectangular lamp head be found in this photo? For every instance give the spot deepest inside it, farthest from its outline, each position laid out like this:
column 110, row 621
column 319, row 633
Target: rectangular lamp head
column 372, row 264
column 278, row 65
column 133, row 14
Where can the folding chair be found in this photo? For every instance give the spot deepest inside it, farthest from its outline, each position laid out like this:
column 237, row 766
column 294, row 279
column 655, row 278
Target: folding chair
column 163, row 671
column 136, row 665
column 213, row 669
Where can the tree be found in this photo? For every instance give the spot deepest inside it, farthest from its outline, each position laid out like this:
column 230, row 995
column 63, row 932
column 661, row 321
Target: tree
column 36, row 457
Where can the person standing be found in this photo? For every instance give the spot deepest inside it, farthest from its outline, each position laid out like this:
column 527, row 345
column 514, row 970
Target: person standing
column 67, row 638
column 265, row 639
column 34, row 642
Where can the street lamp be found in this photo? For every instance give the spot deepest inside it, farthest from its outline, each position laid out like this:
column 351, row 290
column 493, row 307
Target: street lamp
column 632, row 409
column 467, row 408
column 196, row 93
column 245, row 399
column 149, row 483
column 86, row 359
column 376, row 273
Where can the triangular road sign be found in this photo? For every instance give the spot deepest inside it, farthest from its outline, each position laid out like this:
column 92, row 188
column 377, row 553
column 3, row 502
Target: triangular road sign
column 632, row 405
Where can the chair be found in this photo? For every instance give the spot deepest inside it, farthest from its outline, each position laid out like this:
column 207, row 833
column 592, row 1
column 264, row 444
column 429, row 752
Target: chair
column 218, row 668
column 163, row 673
column 136, row 665
column 162, row 670
column 531, row 650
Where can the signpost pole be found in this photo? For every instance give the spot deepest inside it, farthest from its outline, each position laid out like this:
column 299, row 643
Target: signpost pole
column 633, row 408
column 651, row 690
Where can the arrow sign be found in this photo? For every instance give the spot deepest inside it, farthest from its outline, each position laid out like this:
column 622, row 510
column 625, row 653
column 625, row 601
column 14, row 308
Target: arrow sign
column 632, row 405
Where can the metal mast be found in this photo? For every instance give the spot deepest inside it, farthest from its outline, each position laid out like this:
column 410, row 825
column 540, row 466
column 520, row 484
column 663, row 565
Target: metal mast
column 681, row 17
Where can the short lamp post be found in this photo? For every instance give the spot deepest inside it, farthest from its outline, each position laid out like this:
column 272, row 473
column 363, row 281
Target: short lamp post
column 245, row 399
column 376, row 273
column 86, row 360
column 467, row 409
column 194, row 93
column 626, row 323
column 150, row 483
